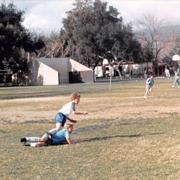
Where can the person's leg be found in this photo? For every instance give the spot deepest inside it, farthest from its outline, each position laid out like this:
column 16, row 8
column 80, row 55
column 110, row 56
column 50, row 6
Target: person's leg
column 57, row 128
column 44, row 137
column 45, row 140
column 150, row 89
column 174, row 82
column 38, row 144
column 177, row 81
column 146, row 92
column 33, row 144
column 30, row 139
column 60, row 119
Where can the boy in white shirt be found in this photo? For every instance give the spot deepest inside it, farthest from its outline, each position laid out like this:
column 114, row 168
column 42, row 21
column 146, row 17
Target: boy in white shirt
column 69, row 108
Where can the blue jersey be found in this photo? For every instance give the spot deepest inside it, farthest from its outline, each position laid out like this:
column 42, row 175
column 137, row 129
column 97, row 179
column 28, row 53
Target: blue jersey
column 60, row 137
column 150, row 82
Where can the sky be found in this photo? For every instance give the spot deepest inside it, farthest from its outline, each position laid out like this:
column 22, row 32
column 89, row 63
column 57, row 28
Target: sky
column 45, row 16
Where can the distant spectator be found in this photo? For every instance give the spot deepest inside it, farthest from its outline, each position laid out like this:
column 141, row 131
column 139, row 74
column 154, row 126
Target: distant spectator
column 176, row 78
column 167, row 73
column 145, row 74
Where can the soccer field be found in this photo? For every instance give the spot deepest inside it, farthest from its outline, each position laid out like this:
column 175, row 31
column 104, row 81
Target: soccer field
column 124, row 136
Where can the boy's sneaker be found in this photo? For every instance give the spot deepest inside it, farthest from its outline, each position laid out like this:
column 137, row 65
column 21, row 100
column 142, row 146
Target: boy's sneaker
column 26, row 144
column 23, row 140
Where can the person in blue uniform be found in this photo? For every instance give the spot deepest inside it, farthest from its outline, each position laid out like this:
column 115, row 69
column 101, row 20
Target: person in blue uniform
column 56, row 138
column 149, row 85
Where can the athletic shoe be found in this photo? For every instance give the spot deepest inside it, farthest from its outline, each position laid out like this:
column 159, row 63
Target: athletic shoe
column 26, row 144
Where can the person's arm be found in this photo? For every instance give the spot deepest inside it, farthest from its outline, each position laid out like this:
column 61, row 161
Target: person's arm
column 79, row 113
column 68, row 139
column 71, row 120
column 73, row 110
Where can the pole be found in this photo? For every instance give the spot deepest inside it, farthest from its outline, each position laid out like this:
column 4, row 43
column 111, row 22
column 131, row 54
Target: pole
column 110, row 77
column 110, row 82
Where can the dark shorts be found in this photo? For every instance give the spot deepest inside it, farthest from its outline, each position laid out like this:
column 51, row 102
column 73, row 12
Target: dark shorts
column 60, row 118
column 59, row 143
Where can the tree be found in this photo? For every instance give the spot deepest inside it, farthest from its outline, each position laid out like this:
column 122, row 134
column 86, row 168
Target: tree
column 175, row 49
column 15, row 40
column 92, row 30
column 153, row 38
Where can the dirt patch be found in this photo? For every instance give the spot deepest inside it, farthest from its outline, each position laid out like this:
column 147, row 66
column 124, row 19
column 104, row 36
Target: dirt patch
column 45, row 108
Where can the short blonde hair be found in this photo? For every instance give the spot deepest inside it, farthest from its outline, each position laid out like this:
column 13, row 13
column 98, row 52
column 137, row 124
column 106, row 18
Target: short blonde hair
column 74, row 96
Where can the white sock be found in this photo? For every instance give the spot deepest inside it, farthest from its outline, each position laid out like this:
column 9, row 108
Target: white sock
column 32, row 139
column 33, row 144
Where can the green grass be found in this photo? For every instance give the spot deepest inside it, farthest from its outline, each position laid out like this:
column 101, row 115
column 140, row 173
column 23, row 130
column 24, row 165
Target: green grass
column 136, row 147
column 44, row 91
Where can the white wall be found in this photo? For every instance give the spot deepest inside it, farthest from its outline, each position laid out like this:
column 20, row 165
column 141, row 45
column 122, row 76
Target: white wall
column 47, row 75
column 49, row 68
column 60, row 65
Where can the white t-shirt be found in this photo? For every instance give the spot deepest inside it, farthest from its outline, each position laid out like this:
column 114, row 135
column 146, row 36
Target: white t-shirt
column 68, row 108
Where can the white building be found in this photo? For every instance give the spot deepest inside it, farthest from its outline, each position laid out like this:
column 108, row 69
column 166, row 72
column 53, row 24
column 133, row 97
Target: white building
column 54, row 71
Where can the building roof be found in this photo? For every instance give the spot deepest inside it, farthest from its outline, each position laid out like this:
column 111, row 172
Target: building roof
column 58, row 63
column 76, row 66
column 54, row 63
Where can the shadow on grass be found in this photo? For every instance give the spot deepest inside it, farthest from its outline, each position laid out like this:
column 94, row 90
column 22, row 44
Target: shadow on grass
column 116, row 136
column 110, row 137
column 91, row 128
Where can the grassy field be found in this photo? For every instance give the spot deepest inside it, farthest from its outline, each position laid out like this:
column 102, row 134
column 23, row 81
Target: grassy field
column 124, row 136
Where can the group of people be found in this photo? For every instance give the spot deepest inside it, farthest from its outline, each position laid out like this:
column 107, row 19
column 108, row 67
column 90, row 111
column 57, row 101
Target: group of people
column 150, row 80
column 64, row 126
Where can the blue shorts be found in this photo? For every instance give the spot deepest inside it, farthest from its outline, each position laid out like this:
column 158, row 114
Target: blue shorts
column 60, row 118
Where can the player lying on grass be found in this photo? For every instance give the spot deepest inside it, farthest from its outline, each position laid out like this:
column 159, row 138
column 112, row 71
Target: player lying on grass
column 57, row 138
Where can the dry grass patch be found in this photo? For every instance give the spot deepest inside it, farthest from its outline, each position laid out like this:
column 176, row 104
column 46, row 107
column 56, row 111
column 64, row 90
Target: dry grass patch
column 124, row 136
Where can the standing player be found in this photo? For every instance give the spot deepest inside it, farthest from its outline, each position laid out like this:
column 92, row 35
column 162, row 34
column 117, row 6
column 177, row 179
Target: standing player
column 149, row 85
